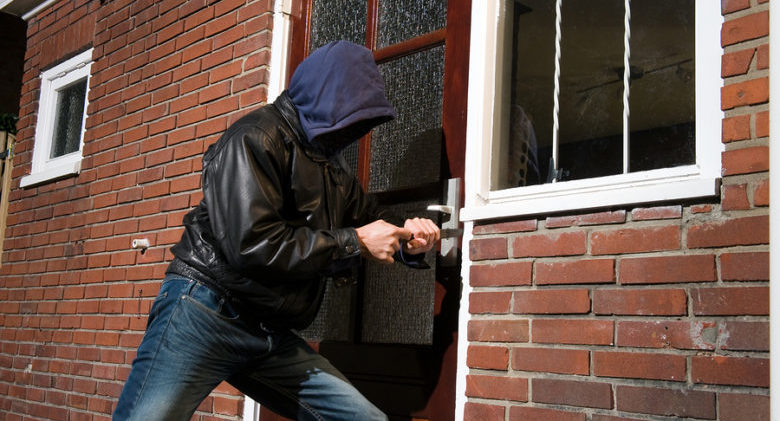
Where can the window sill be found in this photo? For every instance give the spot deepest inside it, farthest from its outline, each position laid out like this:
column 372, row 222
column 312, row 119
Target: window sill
column 51, row 173
column 646, row 187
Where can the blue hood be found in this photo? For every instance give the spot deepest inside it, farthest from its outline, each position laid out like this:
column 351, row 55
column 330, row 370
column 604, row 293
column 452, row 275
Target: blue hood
column 339, row 93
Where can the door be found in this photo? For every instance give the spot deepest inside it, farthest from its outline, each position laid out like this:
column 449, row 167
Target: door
column 390, row 329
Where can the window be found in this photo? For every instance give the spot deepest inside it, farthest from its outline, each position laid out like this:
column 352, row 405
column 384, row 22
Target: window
column 581, row 104
column 59, row 134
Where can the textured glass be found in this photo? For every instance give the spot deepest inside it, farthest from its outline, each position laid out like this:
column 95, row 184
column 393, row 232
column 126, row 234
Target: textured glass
column 398, row 301
column 69, row 119
column 333, row 20
column 662, row 95
column 351, row 155
column 333, row 320
column 400, row 20
column 406, row 152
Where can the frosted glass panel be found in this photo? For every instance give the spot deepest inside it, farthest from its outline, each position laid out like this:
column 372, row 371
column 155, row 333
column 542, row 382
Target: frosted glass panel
column 398, row 300
column 333, row 20
column 69, row 119
column 400, row 20
column 406, row 152
column 334, row 317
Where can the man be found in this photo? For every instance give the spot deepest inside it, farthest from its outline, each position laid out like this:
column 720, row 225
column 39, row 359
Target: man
column 279, row 214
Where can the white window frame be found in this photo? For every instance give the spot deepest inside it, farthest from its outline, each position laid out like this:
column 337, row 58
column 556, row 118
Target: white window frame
column 53, row 80
column 489, row 34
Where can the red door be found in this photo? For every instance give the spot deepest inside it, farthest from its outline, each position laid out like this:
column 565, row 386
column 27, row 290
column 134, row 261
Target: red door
column 393, row 330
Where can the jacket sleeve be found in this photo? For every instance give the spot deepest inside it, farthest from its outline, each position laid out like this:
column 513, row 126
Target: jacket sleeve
column 244, row 189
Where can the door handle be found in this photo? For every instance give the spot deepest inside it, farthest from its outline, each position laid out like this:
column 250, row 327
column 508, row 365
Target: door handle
column 450, row 230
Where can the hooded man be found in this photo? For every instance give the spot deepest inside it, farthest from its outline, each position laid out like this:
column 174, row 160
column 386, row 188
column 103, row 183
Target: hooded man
column 279, row 214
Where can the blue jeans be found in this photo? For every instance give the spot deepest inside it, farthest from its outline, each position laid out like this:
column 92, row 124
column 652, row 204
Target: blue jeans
column 194, row 340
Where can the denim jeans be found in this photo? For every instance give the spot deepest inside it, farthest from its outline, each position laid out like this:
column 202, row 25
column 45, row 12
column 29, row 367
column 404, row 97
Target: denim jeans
column 194, row 340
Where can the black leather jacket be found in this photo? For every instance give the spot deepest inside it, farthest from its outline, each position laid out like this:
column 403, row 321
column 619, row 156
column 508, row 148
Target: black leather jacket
column 276, row 217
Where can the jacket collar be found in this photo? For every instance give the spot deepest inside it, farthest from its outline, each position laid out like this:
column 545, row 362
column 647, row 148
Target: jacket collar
column 290, row 114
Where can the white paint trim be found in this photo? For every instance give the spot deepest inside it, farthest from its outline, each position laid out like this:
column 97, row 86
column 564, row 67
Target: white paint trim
column 44, row 168
column 280, row 49
column 463, row 322
column 29, row 15
column 774, row 207
column 484, row 119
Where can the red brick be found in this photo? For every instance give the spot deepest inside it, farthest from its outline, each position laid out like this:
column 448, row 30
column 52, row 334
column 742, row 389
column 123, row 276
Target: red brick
column 551, row 360
column 736, row 128
column 489, row 302
column 501, row 274
column 734, row 371
column 744, row 336
column 600, row 218
column 736, row 301
column 731, row 6
column 667, row 334
column 746, row 160
column 498, row 330
column 492, row 387
column 735, row 197
column 750, row 266
column 736, row 63
column 572, row 331
column 506, row 227
column 574, row 393
column 745, row 28
column 595, row 271
column 750, row 92
column 483, row 412
column 651, row 302
column 635, row 365
column 635, row 240
column 659, row 212
column 668, row 402
column 762, row 124
column 762, row 57
column 549, row 244
column 488, row 357
column 740, row 407
column 761, row 194
column 668, row 269
column 528, row 413
column 551, row 302
column 731, row 232
column 488, row 248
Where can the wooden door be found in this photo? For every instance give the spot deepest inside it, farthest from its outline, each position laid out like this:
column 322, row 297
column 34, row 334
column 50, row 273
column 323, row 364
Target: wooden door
column 393, row 330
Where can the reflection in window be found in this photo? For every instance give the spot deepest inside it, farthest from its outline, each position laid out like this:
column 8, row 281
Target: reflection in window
column 591, row 117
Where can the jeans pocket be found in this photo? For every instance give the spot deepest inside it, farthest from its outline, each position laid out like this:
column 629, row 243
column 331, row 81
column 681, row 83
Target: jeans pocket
column 211, row 302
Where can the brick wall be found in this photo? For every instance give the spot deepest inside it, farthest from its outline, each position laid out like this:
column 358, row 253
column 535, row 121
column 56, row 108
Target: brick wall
column 168, row 77
column 637, row 313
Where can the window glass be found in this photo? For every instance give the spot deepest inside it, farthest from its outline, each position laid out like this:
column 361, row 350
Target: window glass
column 69, row 118
column 414, row 86
column 334, row 20
column 590, row 134
column 400, row 20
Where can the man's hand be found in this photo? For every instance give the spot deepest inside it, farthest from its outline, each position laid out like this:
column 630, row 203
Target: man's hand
column 426, row 233
column 380, row 240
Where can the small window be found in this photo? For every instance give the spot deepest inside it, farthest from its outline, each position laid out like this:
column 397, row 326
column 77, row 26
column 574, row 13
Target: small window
column 59, row 134
column 594, row 103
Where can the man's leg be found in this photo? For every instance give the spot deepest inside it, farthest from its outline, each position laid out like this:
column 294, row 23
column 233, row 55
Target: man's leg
column 190, row 346
column 296, row 382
